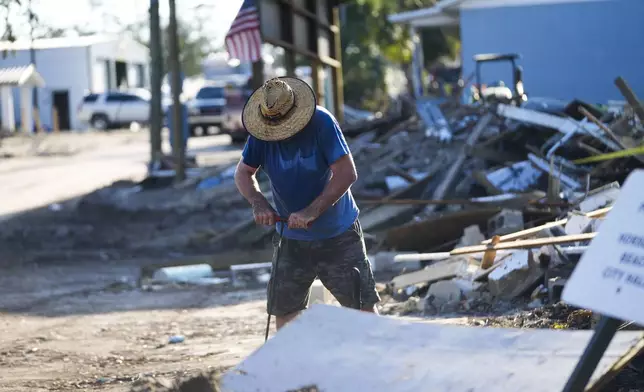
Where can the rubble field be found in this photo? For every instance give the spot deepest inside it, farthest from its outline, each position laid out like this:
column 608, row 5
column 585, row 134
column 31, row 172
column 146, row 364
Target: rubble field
column 473, row 215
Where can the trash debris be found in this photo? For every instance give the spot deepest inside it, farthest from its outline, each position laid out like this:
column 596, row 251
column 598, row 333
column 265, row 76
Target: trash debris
column 176, row 339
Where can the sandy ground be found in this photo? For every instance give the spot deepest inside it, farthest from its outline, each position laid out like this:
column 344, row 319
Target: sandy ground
column 83, row 324
column 89, row 327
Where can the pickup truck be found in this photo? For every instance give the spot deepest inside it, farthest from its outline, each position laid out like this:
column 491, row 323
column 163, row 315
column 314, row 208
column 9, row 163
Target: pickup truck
column 113, row 109
column 206, row 110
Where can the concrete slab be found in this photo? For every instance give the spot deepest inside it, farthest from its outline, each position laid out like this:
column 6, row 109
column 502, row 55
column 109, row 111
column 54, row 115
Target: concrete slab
column 339, row 349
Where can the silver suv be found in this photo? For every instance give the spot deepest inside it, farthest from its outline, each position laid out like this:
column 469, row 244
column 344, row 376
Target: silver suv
column 114, row 109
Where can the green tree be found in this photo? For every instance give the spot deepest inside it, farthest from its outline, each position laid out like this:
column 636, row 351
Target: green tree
column 368, row 39
column 7, row 7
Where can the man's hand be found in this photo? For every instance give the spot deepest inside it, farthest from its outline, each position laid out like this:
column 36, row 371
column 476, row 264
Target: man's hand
column 264, row 214
column 302, row 219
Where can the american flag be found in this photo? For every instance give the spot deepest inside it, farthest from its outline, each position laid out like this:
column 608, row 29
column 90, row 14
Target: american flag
column 243, row 40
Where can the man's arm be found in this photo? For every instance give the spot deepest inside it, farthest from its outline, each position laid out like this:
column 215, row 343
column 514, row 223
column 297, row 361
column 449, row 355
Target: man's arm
column 344, row 175
column 246, row 181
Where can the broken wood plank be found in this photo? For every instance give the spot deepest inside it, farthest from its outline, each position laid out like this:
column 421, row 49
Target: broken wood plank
column 631, row 98
column 456, row 168
column 534, row 230
column 525, row 244
column 476, row 202
column 601, row 125
column 611, row 134
column 399, row 172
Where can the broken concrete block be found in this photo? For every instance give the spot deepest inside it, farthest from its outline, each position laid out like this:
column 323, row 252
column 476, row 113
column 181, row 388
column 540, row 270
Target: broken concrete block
column 518, row 274
column 244, row 275
column 448, row 291
column 555, row 288
column 471, row 236
column 578, row 224
column 451, row 268
column 403, row 355
column 384, row 261
column 320, row 294
column 505, row 222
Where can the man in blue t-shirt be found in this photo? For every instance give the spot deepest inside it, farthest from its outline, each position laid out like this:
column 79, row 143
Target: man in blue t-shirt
column 301, row 148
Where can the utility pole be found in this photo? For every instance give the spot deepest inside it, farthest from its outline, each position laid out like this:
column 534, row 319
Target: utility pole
column 156, row 71
column 177, row 109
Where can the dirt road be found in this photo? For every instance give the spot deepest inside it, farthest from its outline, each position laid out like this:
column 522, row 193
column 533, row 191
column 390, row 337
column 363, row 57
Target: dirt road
column 89, row 328
column 44, row 171
column 78, row 323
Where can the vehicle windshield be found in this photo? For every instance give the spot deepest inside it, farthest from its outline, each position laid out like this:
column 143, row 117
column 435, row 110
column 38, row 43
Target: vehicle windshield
column 211, row 93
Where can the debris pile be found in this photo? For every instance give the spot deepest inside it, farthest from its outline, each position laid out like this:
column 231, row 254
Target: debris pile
column 476, row 205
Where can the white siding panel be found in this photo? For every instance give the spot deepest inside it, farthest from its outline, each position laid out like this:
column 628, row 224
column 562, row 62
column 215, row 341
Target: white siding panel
column 62, row 69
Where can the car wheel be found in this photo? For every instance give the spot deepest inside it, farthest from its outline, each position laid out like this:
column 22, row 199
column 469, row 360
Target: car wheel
column 99, row 122
column 198, row 131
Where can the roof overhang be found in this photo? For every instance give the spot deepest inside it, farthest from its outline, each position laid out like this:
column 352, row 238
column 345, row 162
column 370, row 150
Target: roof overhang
column 25, row 76
column 445, row 13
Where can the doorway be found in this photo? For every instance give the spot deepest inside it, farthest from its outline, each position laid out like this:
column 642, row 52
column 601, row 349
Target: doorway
column 121, row 74
column 60, row 99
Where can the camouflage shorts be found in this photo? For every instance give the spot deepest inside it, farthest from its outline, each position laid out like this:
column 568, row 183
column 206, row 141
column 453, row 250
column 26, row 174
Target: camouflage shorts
column 332, row 261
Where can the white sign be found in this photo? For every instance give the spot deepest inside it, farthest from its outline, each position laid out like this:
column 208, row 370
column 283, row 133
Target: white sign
column 609, row 278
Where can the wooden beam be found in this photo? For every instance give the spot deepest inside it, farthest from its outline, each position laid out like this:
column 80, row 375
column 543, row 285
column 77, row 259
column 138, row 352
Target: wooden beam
column 524, row 244
column 630, row 96
column 534, row 230
column 450, row 178
column 338, row 82
column 288, row 46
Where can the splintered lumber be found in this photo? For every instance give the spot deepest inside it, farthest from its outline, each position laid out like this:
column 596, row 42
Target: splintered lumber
column 630, row 96
column 549, row 225
column 456, row 168
column 524, row 244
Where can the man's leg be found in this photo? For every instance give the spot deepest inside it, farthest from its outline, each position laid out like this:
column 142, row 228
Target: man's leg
column 293, row 278
column 335, row 259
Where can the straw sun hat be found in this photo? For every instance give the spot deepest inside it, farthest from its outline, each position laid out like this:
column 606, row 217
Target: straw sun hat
column 279, row 109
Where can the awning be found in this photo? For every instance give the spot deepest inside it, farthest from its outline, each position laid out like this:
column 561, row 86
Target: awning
column 444, row 13
column 21, row 76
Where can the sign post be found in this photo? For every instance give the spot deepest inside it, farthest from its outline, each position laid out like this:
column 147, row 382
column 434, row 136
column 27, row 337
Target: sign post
column 609, row 278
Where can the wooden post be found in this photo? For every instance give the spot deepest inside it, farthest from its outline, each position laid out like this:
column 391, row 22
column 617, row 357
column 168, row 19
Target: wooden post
column 37, row 120
column 338, row 82
column 56, row 124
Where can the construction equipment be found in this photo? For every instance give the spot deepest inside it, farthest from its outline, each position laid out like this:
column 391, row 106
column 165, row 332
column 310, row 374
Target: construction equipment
column 499, row 92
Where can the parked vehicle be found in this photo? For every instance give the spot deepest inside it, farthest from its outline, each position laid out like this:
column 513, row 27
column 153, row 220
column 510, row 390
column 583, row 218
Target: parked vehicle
column 207, row 109
column 114, row 109
column 236, row 96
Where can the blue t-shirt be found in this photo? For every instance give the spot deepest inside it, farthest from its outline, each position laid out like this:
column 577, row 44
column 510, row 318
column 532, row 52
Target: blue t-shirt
column 299, row 169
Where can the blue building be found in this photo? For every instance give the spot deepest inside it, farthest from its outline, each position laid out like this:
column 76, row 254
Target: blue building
column 569, row 48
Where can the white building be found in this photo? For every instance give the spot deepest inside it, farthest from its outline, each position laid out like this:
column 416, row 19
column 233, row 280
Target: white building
column 72, row 67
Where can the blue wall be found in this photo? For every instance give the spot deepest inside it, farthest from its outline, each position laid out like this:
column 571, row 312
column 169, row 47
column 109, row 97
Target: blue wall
column 573, row 50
